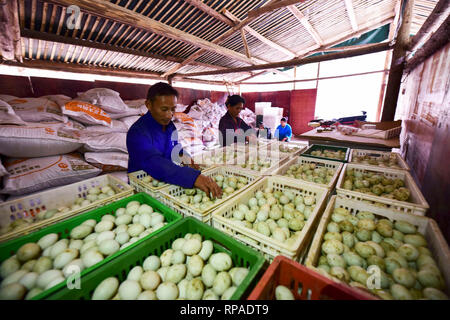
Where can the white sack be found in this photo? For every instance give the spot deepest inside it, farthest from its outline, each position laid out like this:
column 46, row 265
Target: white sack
column 8, row 116
column 117, row 126
column 37, row 109
column 180, row 108
column 121, row 175
column 136, row 104
column 129, row 113
column 108, row 161
column 34, row 174
column 129, row 121
column 105, row 142
column 3, row 171
column 38, row 140
column 107, row 99
column 7, row 97
column 86, row 113
column 60, row 99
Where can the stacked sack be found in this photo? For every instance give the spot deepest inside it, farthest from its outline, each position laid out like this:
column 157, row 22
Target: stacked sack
column 39, row 138
column 206, row 116
column 249, row 117
column 37, row 144
column 107, row 118
column 189, row 134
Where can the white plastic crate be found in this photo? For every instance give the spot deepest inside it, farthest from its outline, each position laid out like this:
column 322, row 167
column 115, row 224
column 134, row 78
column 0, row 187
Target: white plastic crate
column 268, row 246
column 428, row 227
column 337, row 166
column 64, row 196
column 169, row 194
column 374, row 154
column 141, row 186
column 287, row 148
column 418, row 205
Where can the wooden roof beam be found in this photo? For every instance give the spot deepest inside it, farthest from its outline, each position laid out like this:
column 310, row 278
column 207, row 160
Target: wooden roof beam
column 78, row 68
column 299, row 61
column 199, row 4
column 304, row 21
column 272, row 7
column 259, row 36
column 218, row 40
column 124, row 16
column 244, row 41
column 10, row 41
column 438, row 40
column 441, row 9
column 50, row 37
column 351, row 14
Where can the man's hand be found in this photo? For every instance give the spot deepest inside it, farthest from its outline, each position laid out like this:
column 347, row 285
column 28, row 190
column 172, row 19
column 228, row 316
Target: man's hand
column 194, row 166
column 188, row 161
column 208, row 185
column 284, row 139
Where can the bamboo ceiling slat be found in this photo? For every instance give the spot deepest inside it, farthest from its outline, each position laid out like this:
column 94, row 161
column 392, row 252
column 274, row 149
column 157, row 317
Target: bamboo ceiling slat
column 52, row 18
column 33, row 14
column 75, row 53
column 22, row 13
column 131, row 38
column 81, row 55
column 110, row 28
column 101, row 54
column 52, row 56
column 62, row 47
column 123, row 36
column 133, row 61
column 44, row 16
column 94, row 27
column 46, row 47
column 61, row 20
column 125, row 60
column 38, row 51
column 113, row 60
column 85, row 26
column 100, row 32
column 30, row 49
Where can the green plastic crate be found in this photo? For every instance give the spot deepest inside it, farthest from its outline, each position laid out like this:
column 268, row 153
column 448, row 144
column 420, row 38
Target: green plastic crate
column 241, row 255
column 321, row 147
column 64, row 228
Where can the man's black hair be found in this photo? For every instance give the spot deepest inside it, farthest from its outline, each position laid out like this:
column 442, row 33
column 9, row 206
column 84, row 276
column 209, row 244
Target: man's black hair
column 161, row 89
column 283, row 119
column 234, row 100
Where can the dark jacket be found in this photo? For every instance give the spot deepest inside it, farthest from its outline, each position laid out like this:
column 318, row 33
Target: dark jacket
column 227, row 122
column 264, row 133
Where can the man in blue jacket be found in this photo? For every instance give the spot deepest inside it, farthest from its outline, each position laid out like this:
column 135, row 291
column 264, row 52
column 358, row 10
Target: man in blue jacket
column 153, row 145
column 283, row 131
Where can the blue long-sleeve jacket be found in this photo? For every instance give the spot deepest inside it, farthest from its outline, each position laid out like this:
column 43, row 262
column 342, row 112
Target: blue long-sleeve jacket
column 285, row 132
column 150, row 149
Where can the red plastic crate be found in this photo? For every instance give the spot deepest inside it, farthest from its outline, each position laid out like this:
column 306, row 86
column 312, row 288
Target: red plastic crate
column 304, row 283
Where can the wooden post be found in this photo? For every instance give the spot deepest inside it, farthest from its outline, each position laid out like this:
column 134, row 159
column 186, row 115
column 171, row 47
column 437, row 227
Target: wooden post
column 10, row 41
column 387, row 60
column 397, row 63
column 318, row 75
column 295, row 75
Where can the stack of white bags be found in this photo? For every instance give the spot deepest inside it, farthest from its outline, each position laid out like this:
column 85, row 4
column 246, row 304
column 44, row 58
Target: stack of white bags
column 55, row 140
